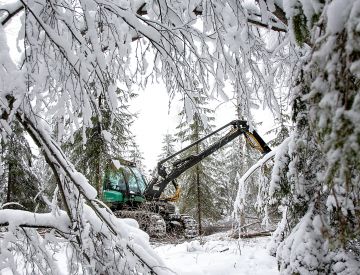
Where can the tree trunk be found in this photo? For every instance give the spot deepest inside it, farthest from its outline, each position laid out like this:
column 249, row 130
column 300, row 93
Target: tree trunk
column 198, row 181
column 10, row 182
column 198, row 198
column 98, row 181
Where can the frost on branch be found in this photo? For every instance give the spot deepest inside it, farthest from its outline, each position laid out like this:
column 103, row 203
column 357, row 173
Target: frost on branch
column 261, row 203
column 75, row 55
column 98, row 241
column 304, row 250
column 319, row 183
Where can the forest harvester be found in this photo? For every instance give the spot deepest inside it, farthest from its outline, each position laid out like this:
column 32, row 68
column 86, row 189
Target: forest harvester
column 129, row 196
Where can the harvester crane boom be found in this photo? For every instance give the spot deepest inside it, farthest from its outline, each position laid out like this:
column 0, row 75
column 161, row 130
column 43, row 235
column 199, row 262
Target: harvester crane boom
column 159, row 182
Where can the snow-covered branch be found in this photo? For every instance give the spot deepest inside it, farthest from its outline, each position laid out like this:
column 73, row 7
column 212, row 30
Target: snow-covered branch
column 241, row 193
column 58, row 220
column 9, row 10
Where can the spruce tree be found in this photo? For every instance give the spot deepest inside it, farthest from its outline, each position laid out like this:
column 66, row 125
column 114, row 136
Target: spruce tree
column 108, row 138
column 134, row 154
column 317, row 169
column 168, row 149
column 168, row 146
column 198, row 183
column 19, row 180
column 225, row 190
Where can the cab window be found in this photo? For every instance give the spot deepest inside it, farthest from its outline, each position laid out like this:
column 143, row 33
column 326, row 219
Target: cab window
column 115, row 181
column 140, row 179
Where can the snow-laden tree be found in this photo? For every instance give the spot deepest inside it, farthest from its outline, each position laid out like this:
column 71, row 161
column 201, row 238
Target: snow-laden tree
column 134, row 154
column 91, row 148
column 73, row 53
column 197, row 183
column 224, row 186
column 316, row 172
column 168, row 146
column 19, row 178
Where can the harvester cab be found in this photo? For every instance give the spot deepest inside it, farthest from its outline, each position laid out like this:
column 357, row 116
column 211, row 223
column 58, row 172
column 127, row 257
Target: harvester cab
column 123, row 185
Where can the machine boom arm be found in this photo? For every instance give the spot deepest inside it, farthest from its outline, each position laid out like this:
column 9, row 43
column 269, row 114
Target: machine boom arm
column 157, row 185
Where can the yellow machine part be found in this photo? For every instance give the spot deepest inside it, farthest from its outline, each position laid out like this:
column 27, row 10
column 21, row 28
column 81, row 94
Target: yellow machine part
column 253, row 142
column 175, row 197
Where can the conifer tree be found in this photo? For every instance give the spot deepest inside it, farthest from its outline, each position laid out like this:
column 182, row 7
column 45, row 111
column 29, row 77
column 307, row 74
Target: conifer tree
column 316, row 175
column 224, row 199
column 198, row 183
column 108, row 138
column 168, row 149
column 20, row 184
column 168, row 146
column 134, row 154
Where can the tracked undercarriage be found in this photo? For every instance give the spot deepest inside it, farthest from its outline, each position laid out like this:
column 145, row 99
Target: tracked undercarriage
column 150, row 222
column 159, row 220
column 183, row 225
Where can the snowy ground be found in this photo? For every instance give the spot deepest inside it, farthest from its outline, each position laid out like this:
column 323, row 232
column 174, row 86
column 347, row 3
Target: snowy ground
column 211, row 255
column 217, row 254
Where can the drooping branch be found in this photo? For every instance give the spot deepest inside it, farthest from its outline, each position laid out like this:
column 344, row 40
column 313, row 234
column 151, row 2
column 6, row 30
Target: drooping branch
column 249, row 172
column 254, row 18
column 277, row 23
column 11, row 11
column 56, row 158
column 59, row 221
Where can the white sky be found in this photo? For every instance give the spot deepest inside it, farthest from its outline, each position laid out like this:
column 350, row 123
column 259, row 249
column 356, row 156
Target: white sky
column 153, row 122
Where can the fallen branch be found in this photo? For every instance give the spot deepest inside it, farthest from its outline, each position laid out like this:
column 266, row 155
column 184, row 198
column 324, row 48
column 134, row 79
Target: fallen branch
column 236, row 235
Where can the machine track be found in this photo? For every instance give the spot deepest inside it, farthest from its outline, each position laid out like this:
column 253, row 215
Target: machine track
column 154, row 224
column 183, row 226
column 191, row 228
column 150, row 222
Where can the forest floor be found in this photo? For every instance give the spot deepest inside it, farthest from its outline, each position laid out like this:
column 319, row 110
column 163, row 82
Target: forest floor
column 218, row 255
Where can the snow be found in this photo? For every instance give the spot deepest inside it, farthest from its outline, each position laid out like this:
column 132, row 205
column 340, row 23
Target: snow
column 249, row 172
column 20, row 217
column 212, row 255
column 218, row 254
column 338, row 14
